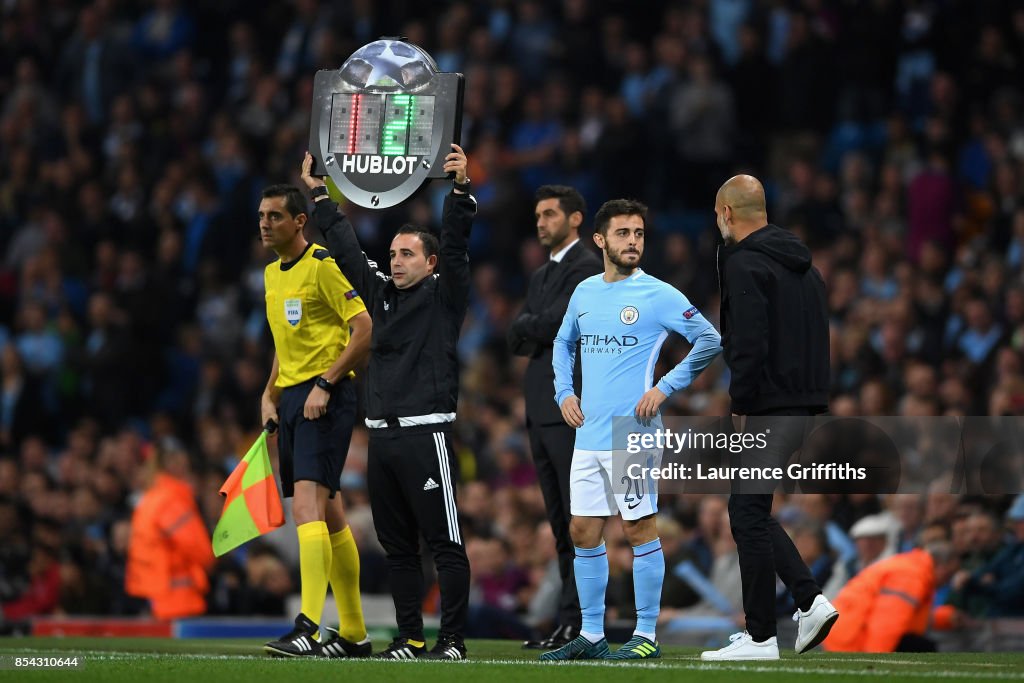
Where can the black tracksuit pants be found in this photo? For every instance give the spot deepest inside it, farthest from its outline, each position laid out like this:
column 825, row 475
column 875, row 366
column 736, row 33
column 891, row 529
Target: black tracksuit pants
column 764, row 547
column 411, row 481
column 552, row 447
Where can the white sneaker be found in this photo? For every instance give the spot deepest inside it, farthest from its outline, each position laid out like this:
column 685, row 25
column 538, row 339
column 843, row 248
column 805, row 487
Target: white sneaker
column 742, row 647
column 814, row 624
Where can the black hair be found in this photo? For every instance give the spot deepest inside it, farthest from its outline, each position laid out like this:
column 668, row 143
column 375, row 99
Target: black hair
column 618, row 207
column 569, row 200
column 294, row 201
column 431, row 246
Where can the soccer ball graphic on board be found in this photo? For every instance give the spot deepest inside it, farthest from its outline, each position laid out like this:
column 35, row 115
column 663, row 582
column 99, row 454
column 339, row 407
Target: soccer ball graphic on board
column 388, row 65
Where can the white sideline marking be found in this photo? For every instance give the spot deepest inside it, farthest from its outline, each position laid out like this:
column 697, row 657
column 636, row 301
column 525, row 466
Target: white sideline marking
column 670, row 663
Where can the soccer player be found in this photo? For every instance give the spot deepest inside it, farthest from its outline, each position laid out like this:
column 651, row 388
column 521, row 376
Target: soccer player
column 620, row 319
column 412, row 389
column 559, row 211
column 310, row 308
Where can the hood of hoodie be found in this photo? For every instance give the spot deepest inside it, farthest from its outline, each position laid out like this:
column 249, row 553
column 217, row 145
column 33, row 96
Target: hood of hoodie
column 781, row 245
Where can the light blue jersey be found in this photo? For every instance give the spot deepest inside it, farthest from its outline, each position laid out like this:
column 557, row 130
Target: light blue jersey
column 620, row 327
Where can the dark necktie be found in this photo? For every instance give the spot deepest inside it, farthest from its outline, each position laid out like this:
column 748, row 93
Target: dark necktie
column 549, row 272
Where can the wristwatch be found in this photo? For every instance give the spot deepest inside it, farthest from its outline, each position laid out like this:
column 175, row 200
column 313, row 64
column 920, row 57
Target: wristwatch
column 324, row 384
column 462, row 187
column 317, row 192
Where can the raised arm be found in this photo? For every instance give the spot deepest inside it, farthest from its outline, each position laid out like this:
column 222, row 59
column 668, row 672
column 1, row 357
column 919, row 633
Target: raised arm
column 342, row 242
column 456, row 222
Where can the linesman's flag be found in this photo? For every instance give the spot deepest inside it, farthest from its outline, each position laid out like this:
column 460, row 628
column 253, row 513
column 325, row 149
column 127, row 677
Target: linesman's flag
column 253, row 505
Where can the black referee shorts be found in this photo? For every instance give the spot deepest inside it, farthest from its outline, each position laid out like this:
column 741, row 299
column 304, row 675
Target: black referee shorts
column 314, row 450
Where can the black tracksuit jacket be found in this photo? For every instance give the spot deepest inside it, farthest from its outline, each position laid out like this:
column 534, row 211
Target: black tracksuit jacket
column 413, row 366
column 774, row 324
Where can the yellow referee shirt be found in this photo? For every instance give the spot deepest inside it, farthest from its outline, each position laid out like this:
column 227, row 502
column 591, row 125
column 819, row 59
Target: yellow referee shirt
column 309, row 304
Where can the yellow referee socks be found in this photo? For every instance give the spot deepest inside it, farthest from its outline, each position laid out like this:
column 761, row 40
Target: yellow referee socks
column 314, row 567
column 345, row 585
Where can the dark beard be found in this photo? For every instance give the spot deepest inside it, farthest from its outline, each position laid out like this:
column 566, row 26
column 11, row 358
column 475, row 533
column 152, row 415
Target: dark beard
column 618, row 262
column 557, row 238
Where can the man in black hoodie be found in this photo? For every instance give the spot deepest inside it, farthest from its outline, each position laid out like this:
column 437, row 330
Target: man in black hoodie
column 776, row 343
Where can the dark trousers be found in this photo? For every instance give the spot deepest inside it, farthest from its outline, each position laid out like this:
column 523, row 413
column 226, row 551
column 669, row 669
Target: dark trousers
column 552, row 447
column 911, row 642
column 411, row 481
column 764, row 547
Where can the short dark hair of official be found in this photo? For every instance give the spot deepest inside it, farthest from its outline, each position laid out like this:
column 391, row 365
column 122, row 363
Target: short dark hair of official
column 294, row 201
column 569, row 200
column 618, row 207
column 431, row 246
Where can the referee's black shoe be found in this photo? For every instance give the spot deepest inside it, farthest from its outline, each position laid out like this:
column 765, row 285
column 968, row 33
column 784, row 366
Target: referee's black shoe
column 447, row 647
column 400, row 648
column 337, row 647
column 562, row 635
column 299, row 642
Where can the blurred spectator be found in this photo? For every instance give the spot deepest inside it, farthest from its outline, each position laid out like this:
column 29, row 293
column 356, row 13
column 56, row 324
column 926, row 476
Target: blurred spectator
column 37, row 343
column 164, row 30
column 982, row 542
column 14, row 552
column 42, row 595
column 532, row 41
column 908, row 511
column 108, row 363
column 169, row 553
column 498, row 591
column 996, row 588
column 888, row 607
column 702, row 123
column 872, row 535
column 261, row 586
column 21, row 401
column 930, row 205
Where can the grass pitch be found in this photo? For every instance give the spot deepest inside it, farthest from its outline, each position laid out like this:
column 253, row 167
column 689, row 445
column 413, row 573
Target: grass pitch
column 151, row 660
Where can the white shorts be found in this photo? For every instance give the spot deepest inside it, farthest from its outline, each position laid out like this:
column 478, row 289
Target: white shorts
column 598, row 486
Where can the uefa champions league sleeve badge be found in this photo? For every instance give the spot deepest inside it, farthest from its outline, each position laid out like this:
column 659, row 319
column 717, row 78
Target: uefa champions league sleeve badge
column 382, row 124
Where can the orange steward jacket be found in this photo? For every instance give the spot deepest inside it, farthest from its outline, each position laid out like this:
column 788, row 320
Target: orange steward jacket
column 169, row 552
column 885, row 601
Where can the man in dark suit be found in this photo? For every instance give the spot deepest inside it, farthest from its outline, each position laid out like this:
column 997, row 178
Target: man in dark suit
column 559, row 212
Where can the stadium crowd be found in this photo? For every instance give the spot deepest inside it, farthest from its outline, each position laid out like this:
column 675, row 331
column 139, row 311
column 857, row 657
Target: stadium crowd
column 135, row 137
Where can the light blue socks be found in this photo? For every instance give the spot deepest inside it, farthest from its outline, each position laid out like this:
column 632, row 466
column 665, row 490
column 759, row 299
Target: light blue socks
column 591, row 566
column 648, row 577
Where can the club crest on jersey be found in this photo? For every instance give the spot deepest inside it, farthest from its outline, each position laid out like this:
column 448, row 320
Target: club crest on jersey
column 629, row 315
column 293, row 311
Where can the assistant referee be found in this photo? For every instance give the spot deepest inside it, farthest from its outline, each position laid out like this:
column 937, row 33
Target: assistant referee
column 412, row 388
column 310, row 308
